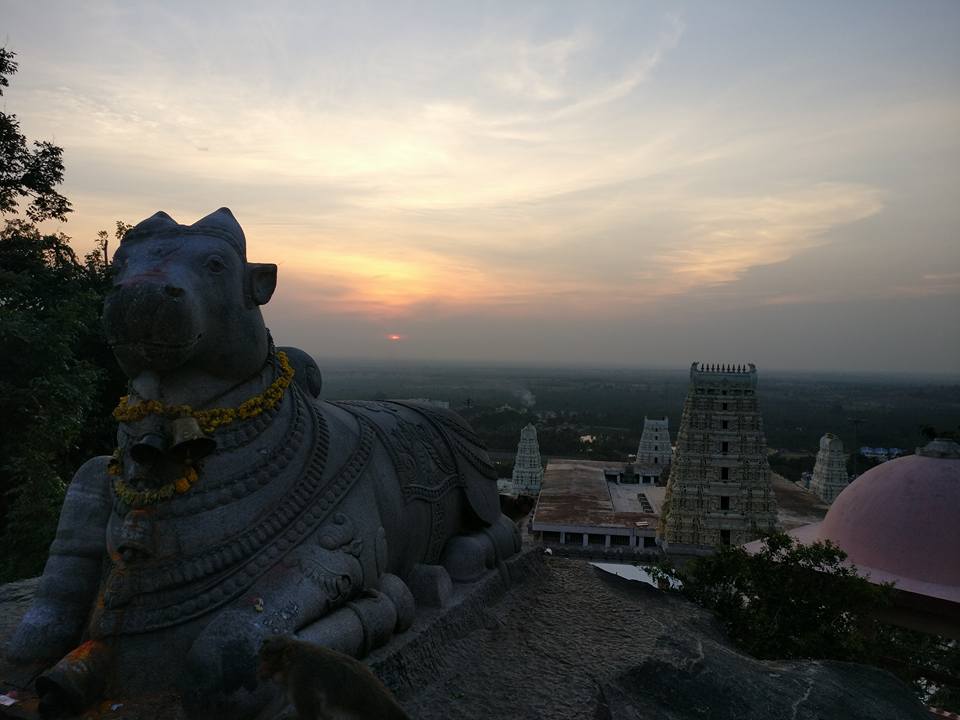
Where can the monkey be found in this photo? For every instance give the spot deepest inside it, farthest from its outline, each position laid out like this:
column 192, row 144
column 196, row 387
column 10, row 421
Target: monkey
column 323, row 684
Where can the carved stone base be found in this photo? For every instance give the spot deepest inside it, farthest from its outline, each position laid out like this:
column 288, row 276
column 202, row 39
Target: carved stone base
column 398, row 662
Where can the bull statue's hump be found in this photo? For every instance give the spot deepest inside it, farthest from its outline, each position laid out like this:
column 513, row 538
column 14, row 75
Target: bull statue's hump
column 419, row 431
column 238, row 504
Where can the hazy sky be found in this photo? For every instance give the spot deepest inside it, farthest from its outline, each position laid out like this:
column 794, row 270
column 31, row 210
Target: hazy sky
column 636, row 183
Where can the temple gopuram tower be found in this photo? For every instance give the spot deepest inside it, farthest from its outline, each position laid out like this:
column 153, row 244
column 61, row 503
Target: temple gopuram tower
column 719, row 491
column 654, row 452
column 830, row 471
column 527, row 468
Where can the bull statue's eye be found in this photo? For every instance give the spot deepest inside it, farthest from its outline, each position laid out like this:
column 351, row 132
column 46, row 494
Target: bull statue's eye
column 215, row 264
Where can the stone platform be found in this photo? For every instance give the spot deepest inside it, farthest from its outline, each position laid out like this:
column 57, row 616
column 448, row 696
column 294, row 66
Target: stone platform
column 551, row 637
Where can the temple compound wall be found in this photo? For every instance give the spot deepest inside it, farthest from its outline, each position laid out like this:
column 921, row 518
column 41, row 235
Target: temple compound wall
column 830, row 470
column 654, row 452
column 719, row 491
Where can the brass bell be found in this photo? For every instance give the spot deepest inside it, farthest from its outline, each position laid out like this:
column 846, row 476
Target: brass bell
column 149, row 448
column 189, row 442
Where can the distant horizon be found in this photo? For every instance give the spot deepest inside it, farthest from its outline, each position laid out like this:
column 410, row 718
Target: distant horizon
column 466, row 363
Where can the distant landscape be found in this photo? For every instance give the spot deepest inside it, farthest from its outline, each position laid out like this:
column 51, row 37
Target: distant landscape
column 610, row 404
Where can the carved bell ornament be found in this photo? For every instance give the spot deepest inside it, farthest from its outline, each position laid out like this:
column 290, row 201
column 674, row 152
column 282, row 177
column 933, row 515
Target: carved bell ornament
column 189, row 442
column 149, row 448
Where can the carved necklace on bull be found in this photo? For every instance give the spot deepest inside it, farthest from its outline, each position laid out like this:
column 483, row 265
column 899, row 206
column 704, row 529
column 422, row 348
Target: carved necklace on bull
column 190, row 429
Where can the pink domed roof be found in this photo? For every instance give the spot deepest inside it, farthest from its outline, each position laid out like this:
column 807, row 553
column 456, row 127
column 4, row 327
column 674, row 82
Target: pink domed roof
column 900, row 521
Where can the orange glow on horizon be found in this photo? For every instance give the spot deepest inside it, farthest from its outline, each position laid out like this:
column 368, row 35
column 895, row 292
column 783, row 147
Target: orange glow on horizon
column 394, row 337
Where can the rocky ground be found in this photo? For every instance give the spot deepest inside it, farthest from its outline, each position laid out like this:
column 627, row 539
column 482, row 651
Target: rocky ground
column 796, row 505
column 554, row 638
column 573, row 642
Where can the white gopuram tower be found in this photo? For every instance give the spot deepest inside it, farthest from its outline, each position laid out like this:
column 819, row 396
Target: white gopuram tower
column 654, row 451
column 830, row 471
column 527, row 468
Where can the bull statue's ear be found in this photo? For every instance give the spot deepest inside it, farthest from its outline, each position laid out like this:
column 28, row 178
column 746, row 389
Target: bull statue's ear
column 261, row 282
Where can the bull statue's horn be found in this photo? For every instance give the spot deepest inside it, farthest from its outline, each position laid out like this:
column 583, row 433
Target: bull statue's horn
column 158, row 222
column 223, row 224
column 189, row 442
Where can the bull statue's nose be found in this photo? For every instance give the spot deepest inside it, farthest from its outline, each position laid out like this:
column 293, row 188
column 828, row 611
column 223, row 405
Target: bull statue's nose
column 173, row 290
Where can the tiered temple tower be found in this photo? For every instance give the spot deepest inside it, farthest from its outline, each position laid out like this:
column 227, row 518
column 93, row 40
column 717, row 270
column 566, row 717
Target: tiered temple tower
column 830, row 471
column 527, row 468
column 654, row 451
column 719, row 491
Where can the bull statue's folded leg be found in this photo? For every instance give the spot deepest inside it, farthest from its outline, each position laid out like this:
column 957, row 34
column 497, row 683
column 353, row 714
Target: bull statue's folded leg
column 55, row 621
column 467, row 557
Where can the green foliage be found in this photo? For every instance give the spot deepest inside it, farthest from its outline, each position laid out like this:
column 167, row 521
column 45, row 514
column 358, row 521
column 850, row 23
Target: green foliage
column 929, row 432
column 789, row 600
column 795, row 601
column 52, row 382
column 58, row 379
column 28, row 172
column 792, row 466
column 929, row 662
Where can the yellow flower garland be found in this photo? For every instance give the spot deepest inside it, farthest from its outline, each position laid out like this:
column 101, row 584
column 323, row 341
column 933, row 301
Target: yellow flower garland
column 209, row 420
column 139, row 498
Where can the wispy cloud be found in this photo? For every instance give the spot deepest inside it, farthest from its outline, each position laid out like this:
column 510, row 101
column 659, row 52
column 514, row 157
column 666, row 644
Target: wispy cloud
column 608, row 162
column 537, row 72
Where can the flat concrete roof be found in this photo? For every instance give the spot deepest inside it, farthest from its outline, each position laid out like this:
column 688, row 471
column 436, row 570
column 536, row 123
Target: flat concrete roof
column 575, row 492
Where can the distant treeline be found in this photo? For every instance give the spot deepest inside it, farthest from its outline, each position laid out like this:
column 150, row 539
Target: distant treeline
column 564, row 404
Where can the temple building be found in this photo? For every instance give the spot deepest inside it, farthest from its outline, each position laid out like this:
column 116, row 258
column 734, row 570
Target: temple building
column 584, row 505
column 830, row 470
column 720, row 488
column 654, row 451
column 897, row 523
column 528, row 468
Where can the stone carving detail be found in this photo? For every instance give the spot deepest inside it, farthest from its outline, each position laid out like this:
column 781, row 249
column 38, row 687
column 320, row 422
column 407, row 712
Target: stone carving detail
column 336, row 569
column 238, row 504
column 283, row 621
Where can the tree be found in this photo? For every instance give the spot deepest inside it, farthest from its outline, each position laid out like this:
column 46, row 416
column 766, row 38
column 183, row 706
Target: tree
column 789, row 600
column 25, row 172
column 58, row 379
column 794, row 601
column 929, row 432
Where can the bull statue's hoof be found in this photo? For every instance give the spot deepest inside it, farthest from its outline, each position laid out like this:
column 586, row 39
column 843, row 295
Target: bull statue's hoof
column 431, row 585
column 467, row 557
column 237, row 504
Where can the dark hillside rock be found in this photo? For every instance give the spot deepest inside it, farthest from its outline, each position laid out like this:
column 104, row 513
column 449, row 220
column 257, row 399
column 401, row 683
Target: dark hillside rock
column 559, row 641
column 691, row 678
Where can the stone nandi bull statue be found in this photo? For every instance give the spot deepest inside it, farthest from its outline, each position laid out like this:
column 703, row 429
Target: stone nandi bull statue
column 237, row 505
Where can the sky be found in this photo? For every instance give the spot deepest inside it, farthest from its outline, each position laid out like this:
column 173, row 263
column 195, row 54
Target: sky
column 597, row 183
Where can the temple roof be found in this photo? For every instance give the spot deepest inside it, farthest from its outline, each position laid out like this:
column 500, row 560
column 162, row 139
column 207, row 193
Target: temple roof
column 899, row 522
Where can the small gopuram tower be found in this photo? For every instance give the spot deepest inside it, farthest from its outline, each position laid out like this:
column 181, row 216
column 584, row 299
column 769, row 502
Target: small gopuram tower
column 527, row 468
column 719, row 491
column 830, row 471
column 654, row 451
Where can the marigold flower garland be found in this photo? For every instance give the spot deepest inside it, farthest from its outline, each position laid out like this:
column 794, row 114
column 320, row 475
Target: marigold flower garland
column 209, row 421
column 140, row 498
